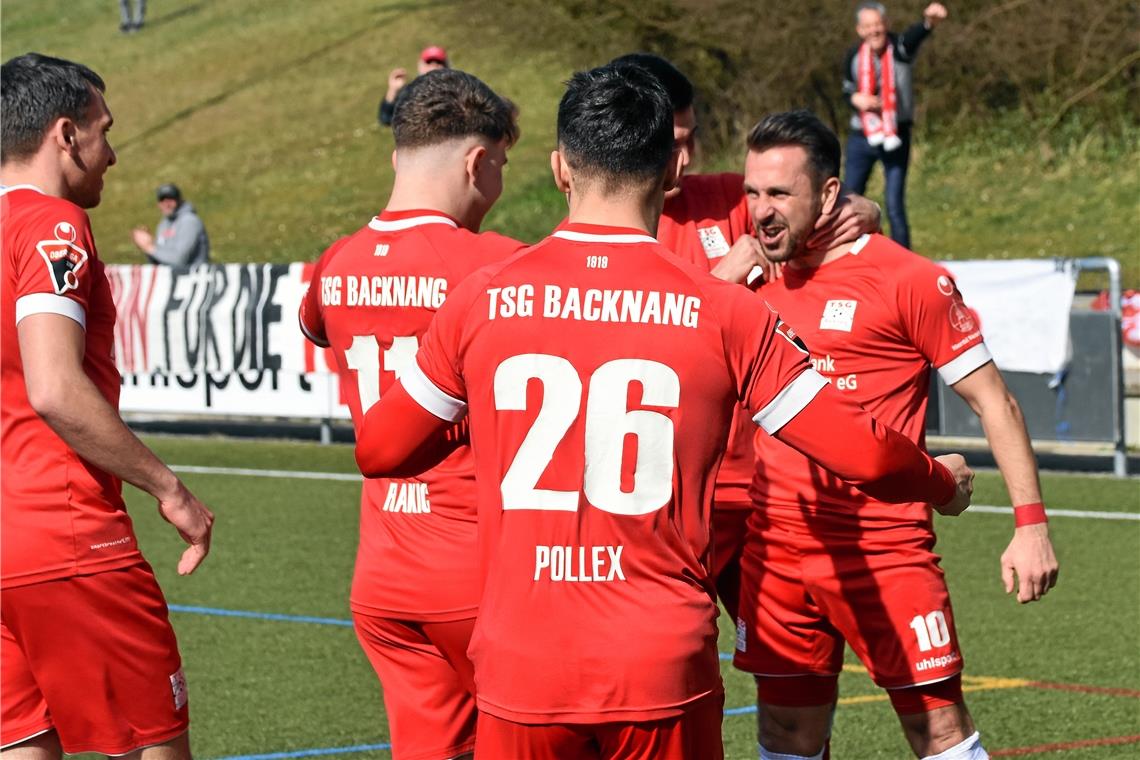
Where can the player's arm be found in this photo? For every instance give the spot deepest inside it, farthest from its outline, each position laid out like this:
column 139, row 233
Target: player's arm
column 399, row 438
column 1029, row 557
column 841, row 437
column 51, row 349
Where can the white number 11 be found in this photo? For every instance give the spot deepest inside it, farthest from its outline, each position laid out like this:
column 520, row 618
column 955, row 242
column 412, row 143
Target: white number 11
column 363, row 357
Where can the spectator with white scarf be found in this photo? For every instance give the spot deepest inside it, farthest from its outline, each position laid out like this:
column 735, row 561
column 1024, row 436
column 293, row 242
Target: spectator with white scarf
column 877, row 80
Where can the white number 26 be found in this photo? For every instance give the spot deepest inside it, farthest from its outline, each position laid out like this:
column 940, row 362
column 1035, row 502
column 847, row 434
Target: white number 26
column 608, row 422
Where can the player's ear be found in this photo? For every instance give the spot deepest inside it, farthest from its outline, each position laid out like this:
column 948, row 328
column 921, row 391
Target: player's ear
column 63, row 133
column 674, row 169
column 561, row 172
column 395, row 165
column 476, row 154
column 829, row 194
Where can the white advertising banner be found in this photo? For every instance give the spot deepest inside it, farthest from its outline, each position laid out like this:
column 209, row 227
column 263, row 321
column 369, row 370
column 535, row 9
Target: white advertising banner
column 223, row 339
column 1023, row 306
column 219, row 339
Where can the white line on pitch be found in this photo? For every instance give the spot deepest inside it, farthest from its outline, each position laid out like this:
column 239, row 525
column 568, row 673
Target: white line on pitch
column 350, row 477
column 299, row 474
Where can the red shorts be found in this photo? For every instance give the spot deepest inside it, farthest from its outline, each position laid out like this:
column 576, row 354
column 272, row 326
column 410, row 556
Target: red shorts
column 429, row 687
column 799, row 603
column 93, row 657
column 693, row 735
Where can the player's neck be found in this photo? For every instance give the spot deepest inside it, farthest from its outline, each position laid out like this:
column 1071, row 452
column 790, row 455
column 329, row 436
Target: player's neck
column 815, row 259
column 629, row 211
column 34, row 173
column 416, row 194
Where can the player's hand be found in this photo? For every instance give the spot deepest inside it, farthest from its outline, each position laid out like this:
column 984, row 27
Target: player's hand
column 142, row 238
column 852, row 216
column 396, row 81
column 934, row 14
column 1030, row 560
column 193, row 521
column 963, row 478
column 865, row 101
column 735, row 265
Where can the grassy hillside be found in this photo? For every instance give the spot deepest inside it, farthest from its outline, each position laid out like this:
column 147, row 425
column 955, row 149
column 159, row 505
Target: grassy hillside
column 264, row 112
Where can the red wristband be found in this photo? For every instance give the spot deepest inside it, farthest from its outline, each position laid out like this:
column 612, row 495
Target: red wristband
column 1029, row 514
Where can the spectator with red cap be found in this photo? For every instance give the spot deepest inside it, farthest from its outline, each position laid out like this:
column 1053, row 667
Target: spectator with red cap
column 431, row 58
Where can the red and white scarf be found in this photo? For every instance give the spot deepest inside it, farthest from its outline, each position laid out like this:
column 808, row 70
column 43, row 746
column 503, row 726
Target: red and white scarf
column 879, row 128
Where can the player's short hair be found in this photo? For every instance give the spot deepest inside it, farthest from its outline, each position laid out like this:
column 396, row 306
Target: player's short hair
column 615, row 123
column 804, row 129
column 678, row 86
column 869, row 5
column 37, row 90
column 449, row 104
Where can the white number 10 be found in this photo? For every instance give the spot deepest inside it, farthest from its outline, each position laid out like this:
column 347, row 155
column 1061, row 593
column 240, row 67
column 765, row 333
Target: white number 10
column 931, row 630
column 363, row 357
column 608, row 421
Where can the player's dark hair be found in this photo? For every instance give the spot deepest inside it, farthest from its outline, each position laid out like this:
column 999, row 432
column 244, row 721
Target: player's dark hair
column 804, row 129
column 449, row 104
column 615, row 123
column 37, row 90
column 678, row 86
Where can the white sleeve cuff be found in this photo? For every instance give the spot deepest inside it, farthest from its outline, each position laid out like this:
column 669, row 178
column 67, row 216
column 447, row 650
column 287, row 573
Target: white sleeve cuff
column 790, row 401
column 425, row 393
column 50, row 303
column 964, row 363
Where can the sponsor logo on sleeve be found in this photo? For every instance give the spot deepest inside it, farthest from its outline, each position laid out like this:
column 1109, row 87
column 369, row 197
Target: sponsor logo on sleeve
column 63, row 257
column 838, row 315
column 785, row 330
column 945, row 285
column 713, row 241
column 962, row 318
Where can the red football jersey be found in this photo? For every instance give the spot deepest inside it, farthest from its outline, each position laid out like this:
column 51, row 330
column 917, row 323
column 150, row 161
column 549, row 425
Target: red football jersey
column 601, row 374
column 700, row 224
column 875, row 321
column 62, row 516
column 371, row 298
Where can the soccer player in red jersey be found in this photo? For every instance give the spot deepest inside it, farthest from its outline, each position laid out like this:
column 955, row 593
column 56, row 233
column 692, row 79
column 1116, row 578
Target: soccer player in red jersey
column 705, row 221
column 601, row 374
column 416, row 586
column 88, row 660
column 825, row 563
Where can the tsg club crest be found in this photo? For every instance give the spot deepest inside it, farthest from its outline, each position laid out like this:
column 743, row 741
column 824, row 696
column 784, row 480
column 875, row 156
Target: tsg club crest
column 63, row 257
column 713, row 241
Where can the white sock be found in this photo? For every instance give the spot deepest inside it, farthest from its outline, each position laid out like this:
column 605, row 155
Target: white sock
column 969, row 749
column 768, row 755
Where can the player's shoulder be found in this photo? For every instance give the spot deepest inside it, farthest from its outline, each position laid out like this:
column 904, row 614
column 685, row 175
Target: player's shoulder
column 894, row 260
column 27, row 202
column 730, row 181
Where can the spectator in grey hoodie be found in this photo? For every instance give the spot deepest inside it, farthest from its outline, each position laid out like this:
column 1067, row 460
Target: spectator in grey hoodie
column 180, row 239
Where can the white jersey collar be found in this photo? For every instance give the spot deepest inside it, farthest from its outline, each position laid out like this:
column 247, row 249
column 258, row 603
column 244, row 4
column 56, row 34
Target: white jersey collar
column 395, row 225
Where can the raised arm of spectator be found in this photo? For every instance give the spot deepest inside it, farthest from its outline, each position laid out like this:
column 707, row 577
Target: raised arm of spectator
column 396, row 81
column 1029, row 558
column 51, row 349
column 915, row 34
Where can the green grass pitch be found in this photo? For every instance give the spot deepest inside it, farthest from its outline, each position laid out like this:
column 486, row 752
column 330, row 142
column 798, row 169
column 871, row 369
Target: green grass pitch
column 286, row 546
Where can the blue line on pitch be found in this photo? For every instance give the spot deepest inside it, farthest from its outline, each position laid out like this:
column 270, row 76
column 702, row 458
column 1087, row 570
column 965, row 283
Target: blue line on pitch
column 311, row 752
column 260, row 616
